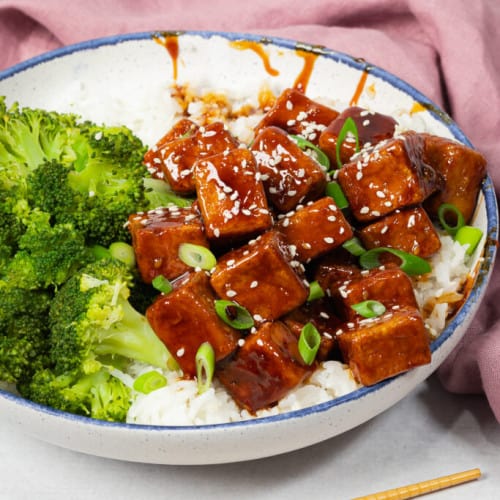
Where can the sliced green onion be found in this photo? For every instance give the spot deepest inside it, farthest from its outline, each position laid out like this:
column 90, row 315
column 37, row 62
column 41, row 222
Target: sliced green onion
column 149, row 382
column 469, row 235
column 100, row 252
column 354, row 247
column 348, row 127
column 444, row 212
column 233, row 314
column 309, row 342
column 410, row 264
column 124, row 252
column 315, row 291
column 197, row 256
column 304, row 144
column 334, row 190
column 205, row 366
column 369, row 308
column 162, row 284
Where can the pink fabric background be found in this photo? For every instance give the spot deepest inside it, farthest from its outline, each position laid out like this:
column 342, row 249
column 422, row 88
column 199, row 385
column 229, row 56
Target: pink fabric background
column 448, row 49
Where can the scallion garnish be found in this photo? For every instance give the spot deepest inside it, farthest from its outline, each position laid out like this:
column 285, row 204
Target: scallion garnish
column 162, row 284
column 315, row 291
column 354, row 247
column 197, row 256
column 334, row 190
column 349, row 127
column 233, row 314
column 124, row 252
column 369, row 308
column 469, row 235
column 444, row 212
column 100, row 252
column 304, row 144
column 205, row 366
column 410, row 264
column 309, row 342
column 149, row 382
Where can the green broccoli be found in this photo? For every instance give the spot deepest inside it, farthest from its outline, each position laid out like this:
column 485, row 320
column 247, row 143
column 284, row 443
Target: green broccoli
column 91, row 320
column 98, row 395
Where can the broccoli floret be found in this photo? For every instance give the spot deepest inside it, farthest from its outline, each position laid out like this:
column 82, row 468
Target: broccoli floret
column 98, row 395
column 160, row 194
column 47, row 255
column 92, row 319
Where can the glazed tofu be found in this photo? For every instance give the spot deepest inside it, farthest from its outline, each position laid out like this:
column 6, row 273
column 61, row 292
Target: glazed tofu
column 392, row 176
column 289, row 175
column 385, row 346
column 410, row 230
column 185, row 318
column 260, row 277
column 156, row 236
column 177, row 157
column 231, row 197
column 463, row 170
column 297, row 114
column 392, row 287
column 331, row 270
column 372, row 128
column 315, row 229
column 265, row 368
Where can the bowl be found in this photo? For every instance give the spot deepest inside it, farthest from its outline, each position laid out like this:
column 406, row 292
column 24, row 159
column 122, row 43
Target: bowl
column 130, row 76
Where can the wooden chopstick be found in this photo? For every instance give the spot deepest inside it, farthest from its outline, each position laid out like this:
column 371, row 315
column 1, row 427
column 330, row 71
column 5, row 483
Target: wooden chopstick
column 417, row 489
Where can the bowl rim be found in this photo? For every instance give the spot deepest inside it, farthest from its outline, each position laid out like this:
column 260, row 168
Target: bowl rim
column 488, row 191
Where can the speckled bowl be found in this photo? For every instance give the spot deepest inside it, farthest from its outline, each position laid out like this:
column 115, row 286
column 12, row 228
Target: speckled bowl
column 110, row 72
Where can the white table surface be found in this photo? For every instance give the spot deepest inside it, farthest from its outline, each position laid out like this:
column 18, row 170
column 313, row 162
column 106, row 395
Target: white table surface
column 430, row 433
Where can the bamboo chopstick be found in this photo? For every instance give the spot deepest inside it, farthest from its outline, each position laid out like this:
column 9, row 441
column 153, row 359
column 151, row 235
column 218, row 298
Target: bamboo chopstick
column 417, row 489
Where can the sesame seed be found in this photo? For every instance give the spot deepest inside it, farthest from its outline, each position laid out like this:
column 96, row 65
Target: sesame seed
column 364, row 210
column 231, row 293
column 254, row 284
column 328, row 240
column 380, row 194
column 180, row 352
column 241, row 342
column 260, row 342
column 258, row 317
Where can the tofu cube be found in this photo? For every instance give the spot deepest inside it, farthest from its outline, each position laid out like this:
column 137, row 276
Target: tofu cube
column 334, row 268
column 259, row 276
column 156, row 236
column 463, row 170
column 185, row 318
column 372, row 128
column 289, row 174
column 410, row 230
column 298, row 114
column 315, row 229
column 264, row 369
column 231, row 197
column 385, row 346
column 391, row 176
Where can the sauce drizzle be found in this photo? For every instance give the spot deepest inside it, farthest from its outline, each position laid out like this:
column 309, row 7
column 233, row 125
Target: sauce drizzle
column 359, row 89
column 302, row 79
column 171, row 43
column 259, row 50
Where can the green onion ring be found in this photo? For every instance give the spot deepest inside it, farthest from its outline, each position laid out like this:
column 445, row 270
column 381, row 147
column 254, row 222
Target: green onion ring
column 309, row 342
column 149, row 382
column 233, row 314
column 205, row 366
column 315, row 291
column 354, row 247
column 445, row 209
column 334, row 190
column 348, row 126
column 410, row 264
column 369, row 308
column 304, row 144
column 469, row 235
column 197, row 256
column 162, row 284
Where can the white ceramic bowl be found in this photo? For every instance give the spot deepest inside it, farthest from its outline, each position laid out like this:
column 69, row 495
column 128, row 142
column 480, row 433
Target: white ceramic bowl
column 109, row 73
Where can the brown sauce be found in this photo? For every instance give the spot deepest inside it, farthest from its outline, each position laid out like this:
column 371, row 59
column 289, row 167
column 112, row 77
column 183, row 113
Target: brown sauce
column 171, row 43
column 302, row 79
column 259, row 50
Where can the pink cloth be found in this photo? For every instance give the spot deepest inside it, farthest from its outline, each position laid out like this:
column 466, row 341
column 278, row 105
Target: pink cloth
column 448, row 49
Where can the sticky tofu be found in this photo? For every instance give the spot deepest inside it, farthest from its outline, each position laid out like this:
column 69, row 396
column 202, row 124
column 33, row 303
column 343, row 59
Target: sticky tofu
column 463, row 170
column 385, row 346
column 265, row 368
column 156, row 236
column 392, row 287
column 372, row 128
column 392, row 176
column 259, row 276
column 231, row 197
column 334, row 268
column 315, row 229
column 410, row 230
column 177, row 157
column 297, row 114
column 185, row 318
column 289, row 175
